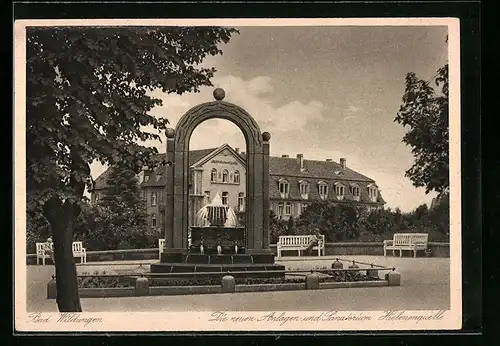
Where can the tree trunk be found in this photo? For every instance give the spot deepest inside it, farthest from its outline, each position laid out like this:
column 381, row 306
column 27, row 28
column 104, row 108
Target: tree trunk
column 62, row 217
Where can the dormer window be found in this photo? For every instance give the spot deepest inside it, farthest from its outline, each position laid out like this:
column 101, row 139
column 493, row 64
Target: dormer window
column 146, row 178
column 354, row 189
column 304, row 189
column 323, row 189
column 225, row 176
column 236, row 177
column 339, row 172
column 284, row 188
column 372, row 192
column 339, row 191
column 213, row 176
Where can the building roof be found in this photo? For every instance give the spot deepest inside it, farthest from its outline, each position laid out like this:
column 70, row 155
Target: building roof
column 280, row 167
column 285, row 166
column 156, row 178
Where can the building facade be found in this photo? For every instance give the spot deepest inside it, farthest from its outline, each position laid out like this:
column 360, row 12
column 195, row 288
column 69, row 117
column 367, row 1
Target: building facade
column 294, row 183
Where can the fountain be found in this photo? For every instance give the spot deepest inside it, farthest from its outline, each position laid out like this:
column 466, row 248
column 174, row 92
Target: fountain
column 218, row 246
column 217, row 231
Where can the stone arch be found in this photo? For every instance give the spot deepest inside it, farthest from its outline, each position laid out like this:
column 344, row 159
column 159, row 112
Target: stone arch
column 257, row 175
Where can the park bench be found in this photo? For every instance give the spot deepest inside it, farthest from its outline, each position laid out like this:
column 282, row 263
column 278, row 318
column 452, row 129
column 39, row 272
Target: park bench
column 406, row 241
column 79, row 251
column 42, row 251
column 161, row 245
column 300, row 243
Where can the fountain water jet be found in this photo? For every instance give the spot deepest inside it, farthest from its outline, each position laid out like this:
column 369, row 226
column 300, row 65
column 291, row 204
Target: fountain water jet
column 216, row 230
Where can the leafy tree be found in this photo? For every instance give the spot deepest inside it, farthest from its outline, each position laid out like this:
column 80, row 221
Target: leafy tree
column 439, row 216
column 380, row 221
column 291, row 225
column 118, row 220
column 335, row 221
column 277, row 227
column 425, row 112
column 87, row 99
column 421, row 211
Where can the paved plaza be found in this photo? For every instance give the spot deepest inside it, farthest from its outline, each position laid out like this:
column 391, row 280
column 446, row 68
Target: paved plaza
column 425, row 285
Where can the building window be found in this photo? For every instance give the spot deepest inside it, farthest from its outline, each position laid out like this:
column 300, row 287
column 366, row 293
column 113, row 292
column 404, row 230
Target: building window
column 284, row 188
column 288, row 209
column 373, row 193
column 153, row 220
column 161, row 198
column 304, row 189
column 144, row 196
column 146, row 178
column 158, row 177
column 236, row 177
column 213, row 176
column 225, row 197
column 323, row 190
column 153, row 198
column 225, row 176
column 279, row 214
column 241, row 201
column 207, row 196
column 303, row 206
column 339, row 191
column 355, row 192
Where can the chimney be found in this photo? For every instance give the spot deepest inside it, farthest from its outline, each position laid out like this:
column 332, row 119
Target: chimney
column 343, row 162
column 284, row 155
column 237, row 150
column 328, row 160
column 300, row 160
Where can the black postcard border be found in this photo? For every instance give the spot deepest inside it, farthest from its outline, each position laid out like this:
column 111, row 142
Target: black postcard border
column 469, row 15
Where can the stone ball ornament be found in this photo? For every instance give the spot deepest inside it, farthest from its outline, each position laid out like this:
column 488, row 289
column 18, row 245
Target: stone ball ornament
column 170, row 133
column 266, row 136
column 219, row 94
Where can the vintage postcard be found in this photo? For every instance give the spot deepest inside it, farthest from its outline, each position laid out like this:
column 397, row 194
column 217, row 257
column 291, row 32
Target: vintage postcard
column 237, row 175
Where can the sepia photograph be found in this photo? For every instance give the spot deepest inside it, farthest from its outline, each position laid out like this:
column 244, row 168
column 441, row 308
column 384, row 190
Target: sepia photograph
column 235, row 174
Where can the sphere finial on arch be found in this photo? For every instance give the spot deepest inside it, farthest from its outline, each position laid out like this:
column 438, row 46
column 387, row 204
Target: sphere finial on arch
column 219, row 94
column 170, row 132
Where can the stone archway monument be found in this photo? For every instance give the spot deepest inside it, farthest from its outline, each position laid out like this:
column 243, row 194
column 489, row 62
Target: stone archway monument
column 177, row 188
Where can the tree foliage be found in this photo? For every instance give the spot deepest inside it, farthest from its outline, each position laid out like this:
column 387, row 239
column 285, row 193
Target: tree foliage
column 118, row 220
column 425, row 112
column 277, row 227
column 350, row 222
column 335, row 221
column 88, row 99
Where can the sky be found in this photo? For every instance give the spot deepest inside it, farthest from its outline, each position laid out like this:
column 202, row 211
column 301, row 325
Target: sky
column 324, row 92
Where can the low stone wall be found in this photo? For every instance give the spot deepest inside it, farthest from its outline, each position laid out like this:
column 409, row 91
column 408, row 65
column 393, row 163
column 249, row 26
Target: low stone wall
column 331, row 249
column 110, row 255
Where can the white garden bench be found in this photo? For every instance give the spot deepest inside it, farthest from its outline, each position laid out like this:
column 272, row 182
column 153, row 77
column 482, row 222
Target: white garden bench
column 300, row 243
column 406, row 241
column 161, row 245
column 79, row 251
column 77, row 248
column 41, row 252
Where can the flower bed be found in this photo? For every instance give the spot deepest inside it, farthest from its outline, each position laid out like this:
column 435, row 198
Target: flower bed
column 129, row 281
